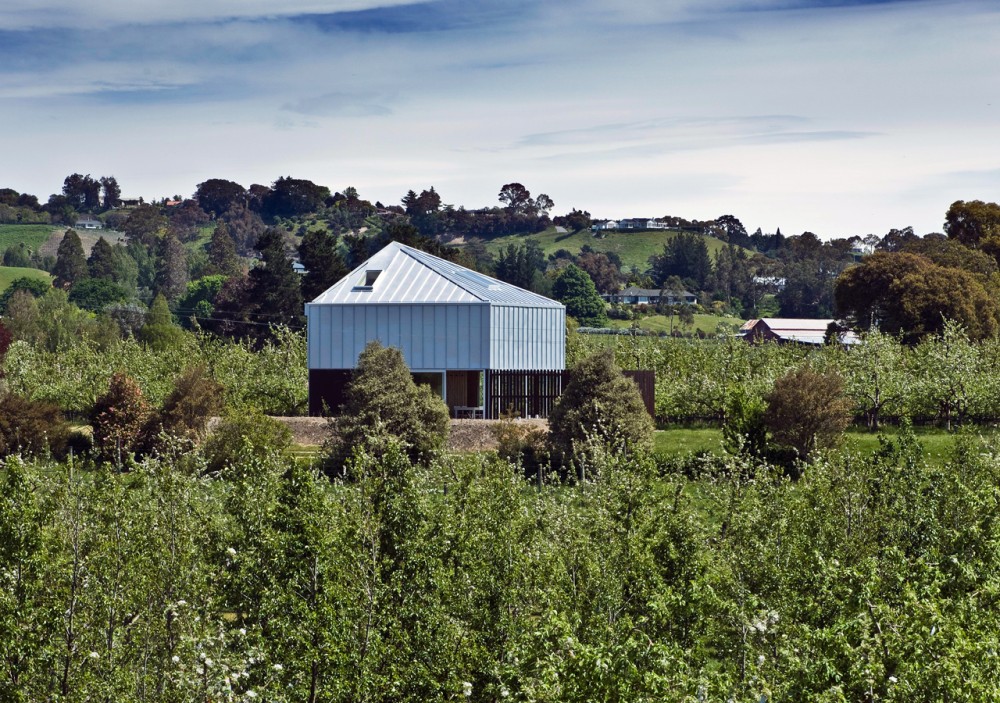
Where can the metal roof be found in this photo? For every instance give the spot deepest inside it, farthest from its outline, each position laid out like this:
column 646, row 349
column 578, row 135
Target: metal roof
column 407, row 275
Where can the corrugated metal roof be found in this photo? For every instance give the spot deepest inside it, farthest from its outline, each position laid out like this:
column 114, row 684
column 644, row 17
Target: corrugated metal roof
column 409, row 275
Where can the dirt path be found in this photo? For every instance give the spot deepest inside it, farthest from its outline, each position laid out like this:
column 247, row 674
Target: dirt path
column 88, row 237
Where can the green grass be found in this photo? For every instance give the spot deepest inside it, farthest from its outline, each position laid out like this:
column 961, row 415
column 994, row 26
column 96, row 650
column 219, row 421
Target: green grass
column 634, row 248
column 32, row 235
column 661, row 323
column 10, row 273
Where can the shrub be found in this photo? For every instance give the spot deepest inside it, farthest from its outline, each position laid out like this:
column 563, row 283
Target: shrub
column 30, row 426
column 599, row 405
column 521, row 443
column 119, row 419
column 242, row 435
column 383, row 401
column 195, row 398
column 807, row 411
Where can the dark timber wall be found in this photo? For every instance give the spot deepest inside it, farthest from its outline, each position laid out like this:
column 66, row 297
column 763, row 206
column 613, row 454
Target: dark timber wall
column 533, row 393
column 326, row 386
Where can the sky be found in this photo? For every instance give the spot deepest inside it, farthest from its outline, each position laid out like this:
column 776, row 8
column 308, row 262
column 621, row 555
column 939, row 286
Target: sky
column 839, row 117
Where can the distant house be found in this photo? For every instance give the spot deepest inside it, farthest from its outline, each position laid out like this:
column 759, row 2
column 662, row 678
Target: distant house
column 603, row 225
column 770, row 282
column 651, row 296
column 129, row 203
column 88, row 223
column 641, row 223
column 786, row 330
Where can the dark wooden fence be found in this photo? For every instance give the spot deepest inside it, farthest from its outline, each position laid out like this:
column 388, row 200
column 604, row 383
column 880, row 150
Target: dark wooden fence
column 533, row 393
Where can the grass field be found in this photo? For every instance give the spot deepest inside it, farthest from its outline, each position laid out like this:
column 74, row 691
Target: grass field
column 634, row 248
column 708, row 324
column 11, row 273
column 32, row 235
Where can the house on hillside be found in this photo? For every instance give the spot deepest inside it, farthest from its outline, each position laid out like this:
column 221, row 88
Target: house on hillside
column 483, row 345
column 784, row 330
column 88, row 223
column 651, row 296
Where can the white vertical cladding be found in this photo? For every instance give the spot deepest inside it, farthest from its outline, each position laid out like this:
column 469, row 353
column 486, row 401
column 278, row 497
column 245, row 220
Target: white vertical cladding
column 527, row 338
column 434, row 336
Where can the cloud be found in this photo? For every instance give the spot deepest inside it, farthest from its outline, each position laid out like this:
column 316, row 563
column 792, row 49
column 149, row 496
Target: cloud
column 360, row 104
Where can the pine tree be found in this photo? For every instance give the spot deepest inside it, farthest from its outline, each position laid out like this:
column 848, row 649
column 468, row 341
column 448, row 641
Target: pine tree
column 71, row 264
column 172, row 269
column 101, row 262
column 323, row 263
column 274, row 285
column 222, row 256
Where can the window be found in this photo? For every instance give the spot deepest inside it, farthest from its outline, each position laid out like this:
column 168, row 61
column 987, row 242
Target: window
column 368, row 280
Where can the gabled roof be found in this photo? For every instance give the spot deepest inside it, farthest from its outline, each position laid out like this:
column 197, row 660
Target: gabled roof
column 408, row 275
column 804, row 331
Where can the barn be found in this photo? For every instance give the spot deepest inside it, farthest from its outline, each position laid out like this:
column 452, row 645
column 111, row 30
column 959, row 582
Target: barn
column 482, row 344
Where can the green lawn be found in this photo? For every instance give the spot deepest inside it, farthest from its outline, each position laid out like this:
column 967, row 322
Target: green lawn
column 708, row 324
column 11, row 273
column 634, row 248
column 32, row 235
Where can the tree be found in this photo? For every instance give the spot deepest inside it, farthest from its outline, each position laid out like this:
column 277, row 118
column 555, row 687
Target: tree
column 100, row 264
column 222, row 256
column 520, row 264
column 543, row 204
column 684, row 255
column 599, row 409
column 576, row 291
column 275, row 293
column 735, row 232
column 160, row 332
column 145, row 225
column 82, row 192
column 875, row 375
column 323, row 263
column 605, row 273
column 382, row 401
column 95, row 294
column 908, row 295
column 172, row 269
column 17, row 255
column 71, row 264
column 35, row 286
column 244, row 226
column 516, row 198
column 974, row 223
column 216, row 195
column 195, row 398
column 807, row 411
column 30, row 426
column 575, row 221
column 290, row 197
column 118, row 418
column 112, row 192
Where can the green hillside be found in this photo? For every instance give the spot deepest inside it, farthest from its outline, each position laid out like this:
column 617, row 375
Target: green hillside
column 32, row 235
column 11, row 273
column 634, row 248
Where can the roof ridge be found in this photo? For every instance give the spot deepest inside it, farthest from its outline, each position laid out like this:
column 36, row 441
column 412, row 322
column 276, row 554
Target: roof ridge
column 410, row 251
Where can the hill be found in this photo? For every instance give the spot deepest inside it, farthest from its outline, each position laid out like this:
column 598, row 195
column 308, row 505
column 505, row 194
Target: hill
column 634, row 248
column 34, row 236
column 11, row 273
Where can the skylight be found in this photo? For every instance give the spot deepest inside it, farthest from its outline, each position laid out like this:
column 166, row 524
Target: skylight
column 368, row 280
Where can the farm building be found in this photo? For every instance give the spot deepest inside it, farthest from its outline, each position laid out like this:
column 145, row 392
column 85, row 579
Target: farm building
column 791, row 331
column 482, row 344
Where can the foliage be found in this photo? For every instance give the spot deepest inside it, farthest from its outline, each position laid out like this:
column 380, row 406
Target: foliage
column 521, row 443
column 95, row 294
column 275, row 297
column 160, row 332
column 195, row 398
column 576, row 290
column 685, row 256
column 244, row 434
column 323, row 263
column 382, row 401
column 35, row 286
column 598, row 408
column 30, row 427
column 71, row 264
column 119, row 419
column 807, row 411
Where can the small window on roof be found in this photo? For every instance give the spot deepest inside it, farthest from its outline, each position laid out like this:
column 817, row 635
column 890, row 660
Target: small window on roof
column 369, row 279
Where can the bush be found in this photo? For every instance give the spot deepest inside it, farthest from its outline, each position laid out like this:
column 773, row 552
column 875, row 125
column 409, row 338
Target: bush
column 383, row 401
column 521, row 443
column 599, row 406
column 196, row 397
column 807, row 411
column 119, row 419
column 30, row 426
column 242, row 435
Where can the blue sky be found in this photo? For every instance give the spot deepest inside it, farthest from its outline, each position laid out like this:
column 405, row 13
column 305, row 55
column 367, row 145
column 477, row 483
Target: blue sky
column 841, row 117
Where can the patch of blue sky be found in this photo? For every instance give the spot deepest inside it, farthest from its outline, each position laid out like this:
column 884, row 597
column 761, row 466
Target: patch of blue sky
column 435, row 16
